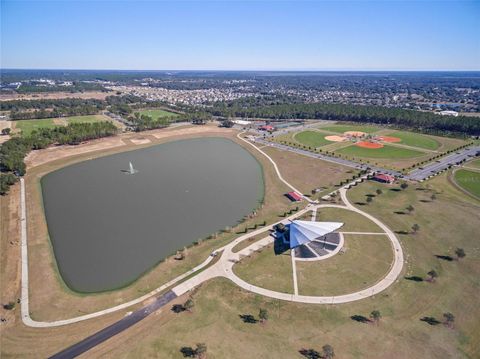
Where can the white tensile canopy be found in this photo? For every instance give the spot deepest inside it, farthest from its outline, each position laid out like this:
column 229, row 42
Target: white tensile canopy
column 302, row 232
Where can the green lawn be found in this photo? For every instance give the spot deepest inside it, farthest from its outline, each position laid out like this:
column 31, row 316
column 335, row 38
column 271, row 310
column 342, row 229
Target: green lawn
column 469, row 181
column 473, row 164
column 85, row 119
column 27, row 126
column 267, row 270
column 353, row 221
column 416, row 140
column 366, row 260
column 345, row 128
column 157, row 113
column 311, row 138
column 385, row 152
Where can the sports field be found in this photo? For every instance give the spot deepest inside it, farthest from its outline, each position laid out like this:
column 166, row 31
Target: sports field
column 345, row 128
column 469, row 181
column 385, row 152
column 27, row 126
column 311, row 138
column 416, row 140
column 85, row 119
column 157, row 113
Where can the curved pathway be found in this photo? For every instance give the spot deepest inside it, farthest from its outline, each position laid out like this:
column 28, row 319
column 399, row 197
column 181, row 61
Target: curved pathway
column 223, row 268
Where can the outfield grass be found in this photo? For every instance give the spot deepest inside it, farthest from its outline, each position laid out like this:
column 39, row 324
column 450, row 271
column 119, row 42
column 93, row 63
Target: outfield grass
column 416, row 140
column 157, row 113
column 353, row 221
column 469, row 181
column 267, row 270
column 385, row 152
column 85, row 119
column 366, row 260
column 345, row 128
column 311, row 138
column 27, row 126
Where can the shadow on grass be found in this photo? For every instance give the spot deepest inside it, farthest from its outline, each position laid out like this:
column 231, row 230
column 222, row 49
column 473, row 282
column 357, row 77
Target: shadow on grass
column 445, row 258
column 425, row 201
column 430, row 320
column 399, row 212
column 310, row 353
column 360, row 319
column 402, row 232
column 395, row 189
column 279, row 247
column 414, row 278
column 178, row 308
column 248, row 318
column 370, row 195
column 188, row 352
column 360, row 203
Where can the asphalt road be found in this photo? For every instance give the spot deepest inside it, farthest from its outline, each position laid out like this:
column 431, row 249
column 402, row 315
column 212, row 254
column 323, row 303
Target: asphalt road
column 442, row 163
column 117, row 327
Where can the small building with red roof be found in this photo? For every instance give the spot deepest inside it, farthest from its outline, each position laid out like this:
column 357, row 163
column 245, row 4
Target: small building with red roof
column 384, row 178
column 294, row 196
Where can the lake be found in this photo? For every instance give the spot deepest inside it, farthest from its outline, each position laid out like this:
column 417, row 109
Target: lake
column 108, row 227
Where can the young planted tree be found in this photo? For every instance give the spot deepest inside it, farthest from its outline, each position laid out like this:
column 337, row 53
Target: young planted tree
column 432, row 275
column 460, row 253
column 415, row 228
column 375, row 316
column 404, row 185
column 433, row 197
column 328, row 352
column 449, row 318
column 410, row 208
column 378, row 191
column 263, row 315
column 369, row 199
column 188, row 305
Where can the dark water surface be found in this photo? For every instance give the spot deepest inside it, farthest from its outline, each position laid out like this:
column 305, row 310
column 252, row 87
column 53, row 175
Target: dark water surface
column 108, row 227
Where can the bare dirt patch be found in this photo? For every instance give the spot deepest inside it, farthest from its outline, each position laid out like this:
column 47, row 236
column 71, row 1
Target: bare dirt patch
column 56, row 95
column 140, row 141
column 335, row 138
column 354, row 133
column 367, row 144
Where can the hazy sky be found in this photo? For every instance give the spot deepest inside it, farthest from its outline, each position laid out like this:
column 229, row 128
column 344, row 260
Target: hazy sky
column 415, row 35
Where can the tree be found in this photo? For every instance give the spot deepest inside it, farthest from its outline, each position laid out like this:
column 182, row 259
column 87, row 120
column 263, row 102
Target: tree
column 6, row 131
column 328, row 352
column 379, row 191
column 263, row 315
column 375, row 315
column 460, row 253
column 410, row 208
column 201, row 350
column 415, row 228
column 369, row 199
column 449, row 319
column 404, row 185
column 433, row 197
column 432, row 276
column 188, row 305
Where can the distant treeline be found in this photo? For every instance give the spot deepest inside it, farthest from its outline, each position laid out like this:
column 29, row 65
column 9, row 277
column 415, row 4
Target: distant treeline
column 422, row 121
column 75, row 87
column 13, row 151
column 145, row 122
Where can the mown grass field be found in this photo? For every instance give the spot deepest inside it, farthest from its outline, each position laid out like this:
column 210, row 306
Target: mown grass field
column 85, row 119
column 311, row 138
column 469, row 181
column 385, row 152
column 473, row 164
column 157, row 113
column 267, row 270
column 366, row 260
column 416, row 140
column 353, row 221
column 345, row 128
column 27, row 126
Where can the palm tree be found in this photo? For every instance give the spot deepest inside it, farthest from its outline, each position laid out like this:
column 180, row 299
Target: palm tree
column 263, row 315
column 188, row 305
column 432, row 274
column 415, row 228
column 328, row 352
column 460, row 253
column 375, row 316
column 449, row 319
column 201, row 351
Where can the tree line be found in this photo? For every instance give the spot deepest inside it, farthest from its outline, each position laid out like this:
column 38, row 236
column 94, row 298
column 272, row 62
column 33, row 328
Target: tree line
column 13, row 151
column 409, row 119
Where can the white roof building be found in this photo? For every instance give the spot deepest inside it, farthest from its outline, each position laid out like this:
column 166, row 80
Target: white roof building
column 302, row 232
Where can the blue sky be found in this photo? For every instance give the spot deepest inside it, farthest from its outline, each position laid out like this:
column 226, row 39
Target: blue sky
column 253, row 35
